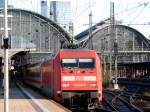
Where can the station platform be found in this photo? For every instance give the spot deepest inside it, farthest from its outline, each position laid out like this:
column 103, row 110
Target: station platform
column 33, row 102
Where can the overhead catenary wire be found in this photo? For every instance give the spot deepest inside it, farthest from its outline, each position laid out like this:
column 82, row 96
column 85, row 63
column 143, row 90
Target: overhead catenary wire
column 138, row 13
column 130, row 10
column 126, row 10
column 133, row 9
column 123, row 11
column 84, row 10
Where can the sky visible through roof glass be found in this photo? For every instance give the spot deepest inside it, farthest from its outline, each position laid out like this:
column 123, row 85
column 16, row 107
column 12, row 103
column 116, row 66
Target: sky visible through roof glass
column 134, row 13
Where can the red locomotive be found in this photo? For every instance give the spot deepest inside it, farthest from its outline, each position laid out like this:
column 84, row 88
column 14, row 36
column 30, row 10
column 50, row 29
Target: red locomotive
column 72, row 77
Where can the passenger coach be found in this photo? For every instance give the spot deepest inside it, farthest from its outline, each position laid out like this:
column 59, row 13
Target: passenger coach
column 72, row 77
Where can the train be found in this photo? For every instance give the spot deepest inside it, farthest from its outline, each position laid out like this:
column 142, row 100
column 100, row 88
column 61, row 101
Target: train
column 71, row 77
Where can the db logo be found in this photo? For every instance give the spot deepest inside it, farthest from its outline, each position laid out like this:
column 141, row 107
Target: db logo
column 78, row 71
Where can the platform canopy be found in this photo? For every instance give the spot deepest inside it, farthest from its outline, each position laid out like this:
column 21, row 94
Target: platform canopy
column 30, row 31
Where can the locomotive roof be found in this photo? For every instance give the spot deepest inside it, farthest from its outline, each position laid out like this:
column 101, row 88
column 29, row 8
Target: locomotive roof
column 83, row 49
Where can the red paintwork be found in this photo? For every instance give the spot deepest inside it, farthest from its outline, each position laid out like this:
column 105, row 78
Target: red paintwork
column 52, row 73
column 93, row 72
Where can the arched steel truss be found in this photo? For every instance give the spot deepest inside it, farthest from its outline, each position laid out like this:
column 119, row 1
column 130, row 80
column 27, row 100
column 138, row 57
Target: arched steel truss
column 31, row 31
column 132, row 45
column 33, row 34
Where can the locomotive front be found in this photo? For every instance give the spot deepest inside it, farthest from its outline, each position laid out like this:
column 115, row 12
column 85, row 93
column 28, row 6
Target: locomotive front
column 81, row 79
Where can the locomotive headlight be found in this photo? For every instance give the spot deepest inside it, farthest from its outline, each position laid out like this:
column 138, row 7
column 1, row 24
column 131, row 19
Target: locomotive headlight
column 99, row 93
column 58, row 92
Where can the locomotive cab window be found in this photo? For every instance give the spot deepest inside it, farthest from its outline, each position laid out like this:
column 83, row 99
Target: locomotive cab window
column 78, row 63
column 69, row 63
column 86, row 63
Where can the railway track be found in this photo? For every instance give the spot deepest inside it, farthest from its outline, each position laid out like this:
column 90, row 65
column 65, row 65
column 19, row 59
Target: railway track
column 140, row 100
column 107, row 106
column 118, row 102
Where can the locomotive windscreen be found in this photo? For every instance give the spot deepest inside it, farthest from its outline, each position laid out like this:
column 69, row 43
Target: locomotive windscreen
column 86, row 63
column 78, row 63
